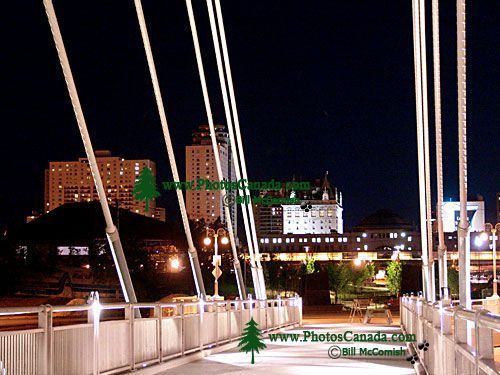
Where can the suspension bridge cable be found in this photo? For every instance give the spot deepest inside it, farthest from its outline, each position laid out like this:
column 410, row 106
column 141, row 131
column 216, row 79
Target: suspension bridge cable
column 442, row 262
column 240, row 142
column 111, row 230
column 193, row 254
column 201, row 72
column 427, row 165
column 420, row 148
column 227, row 110
column 463, row 226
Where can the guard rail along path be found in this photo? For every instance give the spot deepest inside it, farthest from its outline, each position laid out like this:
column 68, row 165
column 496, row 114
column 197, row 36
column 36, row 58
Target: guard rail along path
column 114, row 340
column 461, row 341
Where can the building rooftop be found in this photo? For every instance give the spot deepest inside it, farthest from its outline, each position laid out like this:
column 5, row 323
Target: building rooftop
column 383, row 219
column 84, row 221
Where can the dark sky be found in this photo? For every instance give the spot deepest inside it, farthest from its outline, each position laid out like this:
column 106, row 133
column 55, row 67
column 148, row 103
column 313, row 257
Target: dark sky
column 320, row 85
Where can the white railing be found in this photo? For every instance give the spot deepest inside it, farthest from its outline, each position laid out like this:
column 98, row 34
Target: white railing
column 461, row 341
column 107, row 344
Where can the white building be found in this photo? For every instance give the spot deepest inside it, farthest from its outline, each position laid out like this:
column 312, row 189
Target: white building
column 475, row 215
column 315, row 216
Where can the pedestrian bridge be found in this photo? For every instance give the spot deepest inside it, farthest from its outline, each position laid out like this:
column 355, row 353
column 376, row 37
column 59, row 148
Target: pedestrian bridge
column 120, row 337
column 202, row 337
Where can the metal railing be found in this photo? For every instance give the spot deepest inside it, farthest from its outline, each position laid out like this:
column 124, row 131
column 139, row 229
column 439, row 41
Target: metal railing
column 107, row 344
column 461, row 341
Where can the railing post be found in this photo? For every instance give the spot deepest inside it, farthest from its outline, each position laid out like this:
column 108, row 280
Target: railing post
column 200, row 323
column 216, row 304
column 300, row 310
column 45, row 321
column 484, row 340
column 93, row 316
column 265, row 313
column 228, row 312
column 130, row 315
column 159, row 315
column 183, row 330
column 241, row 316
column 460, row 328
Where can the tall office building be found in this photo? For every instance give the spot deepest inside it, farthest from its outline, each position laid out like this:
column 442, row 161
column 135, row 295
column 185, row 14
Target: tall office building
column 71, row 181
column 200, row 164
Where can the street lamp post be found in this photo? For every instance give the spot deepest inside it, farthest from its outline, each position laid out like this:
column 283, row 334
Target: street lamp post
column 493, row 229
column 216, row 259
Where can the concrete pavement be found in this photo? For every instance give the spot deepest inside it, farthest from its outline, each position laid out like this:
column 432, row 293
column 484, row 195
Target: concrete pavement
column 305, row 357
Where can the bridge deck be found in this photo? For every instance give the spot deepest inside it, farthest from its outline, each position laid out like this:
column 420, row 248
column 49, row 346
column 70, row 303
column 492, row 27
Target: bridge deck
column 305, row 357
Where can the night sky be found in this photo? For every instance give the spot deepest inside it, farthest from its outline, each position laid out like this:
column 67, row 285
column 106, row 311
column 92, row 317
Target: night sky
column 321, row 85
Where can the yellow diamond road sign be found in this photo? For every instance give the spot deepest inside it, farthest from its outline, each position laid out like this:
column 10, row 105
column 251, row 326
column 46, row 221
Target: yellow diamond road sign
column 217, row 272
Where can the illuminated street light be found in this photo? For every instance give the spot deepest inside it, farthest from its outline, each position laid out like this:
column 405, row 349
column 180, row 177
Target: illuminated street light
column 479, row 240
column 175, row 263
column 484, row 237
column 216, row 259
column 357, row 262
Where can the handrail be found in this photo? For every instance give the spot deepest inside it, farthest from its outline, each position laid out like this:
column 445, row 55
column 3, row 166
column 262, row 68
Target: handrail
column 443, row 325
column 190, row 327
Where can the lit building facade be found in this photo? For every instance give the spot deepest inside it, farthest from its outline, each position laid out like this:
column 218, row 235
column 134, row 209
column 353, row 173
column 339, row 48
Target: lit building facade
column 323, row 217
column 381, row 235
column 71, row 181
column 200, row 164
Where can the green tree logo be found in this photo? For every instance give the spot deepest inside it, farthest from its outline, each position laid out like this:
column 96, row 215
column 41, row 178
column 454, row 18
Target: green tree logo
column 252, row 339
column 145, row 187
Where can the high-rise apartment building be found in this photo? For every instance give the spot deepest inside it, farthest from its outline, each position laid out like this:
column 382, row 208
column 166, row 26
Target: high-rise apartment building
column 200, row 164
column 71, row 181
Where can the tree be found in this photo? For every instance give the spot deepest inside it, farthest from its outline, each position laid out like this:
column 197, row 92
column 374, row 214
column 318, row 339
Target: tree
column 252, row 339
column 453, row 281
column 393, row 273
column 145, row 187
column 339, row 276
column 310, row 268
column 360, row 276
